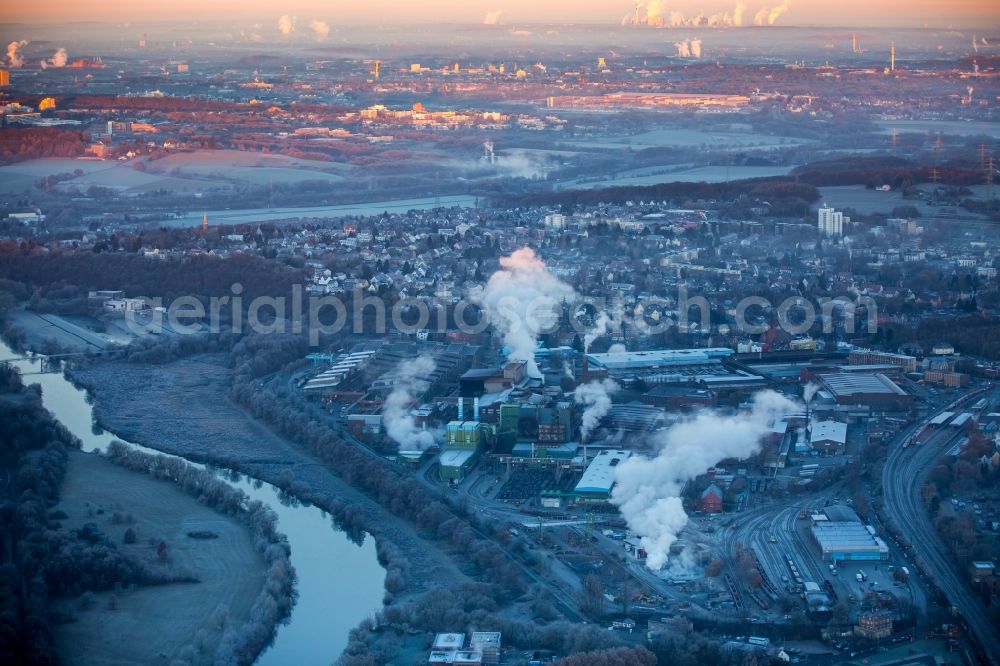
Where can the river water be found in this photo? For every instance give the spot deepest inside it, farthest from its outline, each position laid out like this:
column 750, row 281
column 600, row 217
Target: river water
column 339, row 582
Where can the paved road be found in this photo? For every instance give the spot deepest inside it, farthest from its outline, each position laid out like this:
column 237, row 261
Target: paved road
column 902, row 479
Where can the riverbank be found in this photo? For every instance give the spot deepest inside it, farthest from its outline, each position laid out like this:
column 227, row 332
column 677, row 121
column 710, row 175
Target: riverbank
column 141, row 403
column 163, row 622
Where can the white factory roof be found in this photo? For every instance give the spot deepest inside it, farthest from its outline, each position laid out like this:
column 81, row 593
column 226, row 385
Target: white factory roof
column 832, row 431
column 600, row 474
column 658, row 357
column 847, row 537
column 851, row 384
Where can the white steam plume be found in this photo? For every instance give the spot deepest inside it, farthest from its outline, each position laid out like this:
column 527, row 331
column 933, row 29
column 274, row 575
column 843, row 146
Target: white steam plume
column 776, row 12
column 492, row 18
column 695, row 48
column 596, row 398
column 411, row 381
column 760, row 18
column 602, row 324
column 647, row 490
column 809, row 392
column 58, row 59
column 738, row 14
column 522, row 298
column 320, row 28
column 14, row 59
column 683, row 49
column 286, row 25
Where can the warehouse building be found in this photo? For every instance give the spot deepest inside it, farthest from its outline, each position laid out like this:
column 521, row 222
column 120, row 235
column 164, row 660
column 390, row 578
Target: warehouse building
column 599, row 477
column 842, row 536
column 876, row 391
column 829, row 437
column 700, row 367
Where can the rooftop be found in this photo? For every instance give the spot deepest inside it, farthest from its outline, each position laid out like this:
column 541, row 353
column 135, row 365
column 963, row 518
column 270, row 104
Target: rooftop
column 846, row 537
column 600, row 474
column 850, row 384
column 658, row 358
column 833, row 431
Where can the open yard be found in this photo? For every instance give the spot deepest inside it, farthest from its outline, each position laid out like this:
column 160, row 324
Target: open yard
column 152, row 625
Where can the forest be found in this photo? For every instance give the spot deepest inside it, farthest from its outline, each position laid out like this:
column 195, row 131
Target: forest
column 27, row 143
column 71, row 275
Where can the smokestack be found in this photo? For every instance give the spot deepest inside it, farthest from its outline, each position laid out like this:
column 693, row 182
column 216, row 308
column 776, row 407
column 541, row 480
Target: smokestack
column 585, row 368
column 461, row 409
column 475, row 409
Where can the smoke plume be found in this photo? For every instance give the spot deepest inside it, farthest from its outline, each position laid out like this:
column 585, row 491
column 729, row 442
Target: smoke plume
column 648, row 490
column 689, row 48
column 492, row 18
column 14, row 59
column 776, row 12
column 320, row 28
column 656, row 15
column 286, row 25
column 58, row 59
column 760, row 18
column 596, row 398
column 738, row 14
column 411, row 381
column 603, row 324
column 521, row 299
column 809, row 392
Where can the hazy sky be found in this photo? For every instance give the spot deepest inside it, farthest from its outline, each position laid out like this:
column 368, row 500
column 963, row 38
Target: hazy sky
column 983, row 14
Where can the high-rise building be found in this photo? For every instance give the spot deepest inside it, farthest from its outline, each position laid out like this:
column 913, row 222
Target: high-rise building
column 831, row 222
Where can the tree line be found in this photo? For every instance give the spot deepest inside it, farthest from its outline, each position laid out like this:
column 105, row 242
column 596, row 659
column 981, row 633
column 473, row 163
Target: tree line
column 239, row 644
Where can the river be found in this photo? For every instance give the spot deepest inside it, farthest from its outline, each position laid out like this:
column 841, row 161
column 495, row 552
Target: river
column 339, row 582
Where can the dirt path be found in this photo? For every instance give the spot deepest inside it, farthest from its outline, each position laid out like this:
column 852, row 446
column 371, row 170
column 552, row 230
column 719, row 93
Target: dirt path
column 152, row 625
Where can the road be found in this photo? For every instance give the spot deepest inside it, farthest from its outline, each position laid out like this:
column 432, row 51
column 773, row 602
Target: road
column 902, row 479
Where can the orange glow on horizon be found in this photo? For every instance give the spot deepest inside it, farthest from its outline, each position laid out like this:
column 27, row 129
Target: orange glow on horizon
column 984, row 14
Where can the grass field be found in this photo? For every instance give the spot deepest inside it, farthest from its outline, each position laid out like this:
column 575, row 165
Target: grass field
column 154, row 624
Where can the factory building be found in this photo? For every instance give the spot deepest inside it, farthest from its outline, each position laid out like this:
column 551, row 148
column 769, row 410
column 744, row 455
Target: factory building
column 464, row 441
column 827, row 436
column 870, row 357
column 876, row 391
column 599, row 477
column 703, row 368
column 842, row 536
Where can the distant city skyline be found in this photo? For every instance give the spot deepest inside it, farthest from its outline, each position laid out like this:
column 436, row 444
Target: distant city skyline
column 983, row 14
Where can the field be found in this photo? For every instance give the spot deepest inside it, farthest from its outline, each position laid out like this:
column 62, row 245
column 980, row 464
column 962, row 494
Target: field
column 252, row 168
column 153, row 624
column 182, row 173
